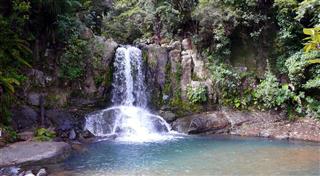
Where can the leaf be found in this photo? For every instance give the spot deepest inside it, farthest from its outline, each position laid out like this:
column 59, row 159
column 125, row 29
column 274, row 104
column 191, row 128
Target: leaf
column 314, row 61
column 308, row 31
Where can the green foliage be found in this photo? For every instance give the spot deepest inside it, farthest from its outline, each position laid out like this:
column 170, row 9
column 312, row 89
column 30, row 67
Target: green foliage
column 232, row 87
column 313, row 83
column 297, row 64
column 198, row 94
column 270, row 94
column 43, row 134
column 220, row 19
column 307, row 9
column 183, row 107
column 313, row 107
column 313, row 42
column 73, row 60
column 133, row 19
column 9, row 134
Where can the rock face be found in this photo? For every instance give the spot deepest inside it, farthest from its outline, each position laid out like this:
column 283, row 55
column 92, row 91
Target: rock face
column 211, row 122
column 157, row 61
column 34, row 153
column 259, row 124
column 66, row 125
column 24, row 117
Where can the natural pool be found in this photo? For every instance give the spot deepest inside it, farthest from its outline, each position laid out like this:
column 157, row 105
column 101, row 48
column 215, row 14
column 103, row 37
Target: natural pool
column 185, row 155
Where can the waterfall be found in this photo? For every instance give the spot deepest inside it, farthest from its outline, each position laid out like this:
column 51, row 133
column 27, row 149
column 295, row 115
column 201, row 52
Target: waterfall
column 128, row 119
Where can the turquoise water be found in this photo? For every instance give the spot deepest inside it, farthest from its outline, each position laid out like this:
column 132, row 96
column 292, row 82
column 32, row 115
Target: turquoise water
column 215, row 155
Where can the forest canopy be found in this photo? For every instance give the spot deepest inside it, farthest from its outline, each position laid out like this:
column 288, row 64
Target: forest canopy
column 289, row 30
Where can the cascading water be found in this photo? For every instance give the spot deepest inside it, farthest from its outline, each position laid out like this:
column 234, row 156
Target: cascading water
column 128, row 119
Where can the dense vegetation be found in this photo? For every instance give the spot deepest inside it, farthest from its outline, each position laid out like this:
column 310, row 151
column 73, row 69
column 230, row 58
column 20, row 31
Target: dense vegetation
column 289, row 30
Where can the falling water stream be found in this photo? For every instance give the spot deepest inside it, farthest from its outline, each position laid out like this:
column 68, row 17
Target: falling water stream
column 128, row 119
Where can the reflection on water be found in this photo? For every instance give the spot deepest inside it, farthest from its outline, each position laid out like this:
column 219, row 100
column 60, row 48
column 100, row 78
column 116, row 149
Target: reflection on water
column 198, row 156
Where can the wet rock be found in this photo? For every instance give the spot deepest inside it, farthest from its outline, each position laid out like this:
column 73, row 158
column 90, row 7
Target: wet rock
column 72, row 134
column 168, row 116
column 159, row 126
column 60, row 119
column 101, row 122
column 86, row 134
column 42, row 172
column 24, row 117
column 29, row 173
column 259, row 124
column 182, row 124
column 33, row 153
column 209, row 123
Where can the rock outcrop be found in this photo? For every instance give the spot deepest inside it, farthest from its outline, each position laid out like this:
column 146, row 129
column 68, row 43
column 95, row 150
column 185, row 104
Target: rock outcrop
column 258, row 124
column 34, row 153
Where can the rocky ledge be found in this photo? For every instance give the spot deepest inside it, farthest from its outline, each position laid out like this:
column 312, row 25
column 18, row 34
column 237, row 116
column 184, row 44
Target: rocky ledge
column 258, row 124
column 33, row 153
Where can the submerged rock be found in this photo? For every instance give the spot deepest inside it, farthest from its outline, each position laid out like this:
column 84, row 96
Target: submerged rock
column 34, row 153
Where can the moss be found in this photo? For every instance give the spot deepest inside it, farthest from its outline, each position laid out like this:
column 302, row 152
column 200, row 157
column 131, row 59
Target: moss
column 178, row 74
column 145, row 56
column 195, row 77
column 183, row 107
column 56, row 99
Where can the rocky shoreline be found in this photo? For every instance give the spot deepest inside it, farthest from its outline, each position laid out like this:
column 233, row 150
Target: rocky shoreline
column 251, row 124
column 226, row 122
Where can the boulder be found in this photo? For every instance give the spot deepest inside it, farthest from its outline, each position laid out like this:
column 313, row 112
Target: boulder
column 210, row 122
column 106, row 48
column 33, row 98
column 168, row 116
column 186, row 44
column 29, row 173
column 34, row 153
column 42, row 172
column 182, row 124
column 24, row 117
column 257, row 123
column 61, row 120
column 65, row 123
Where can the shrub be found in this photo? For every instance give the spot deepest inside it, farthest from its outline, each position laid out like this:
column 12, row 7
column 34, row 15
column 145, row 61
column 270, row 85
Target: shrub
column 43, row 134
column 198, row 94
column 270, row 94
column 73, row 60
